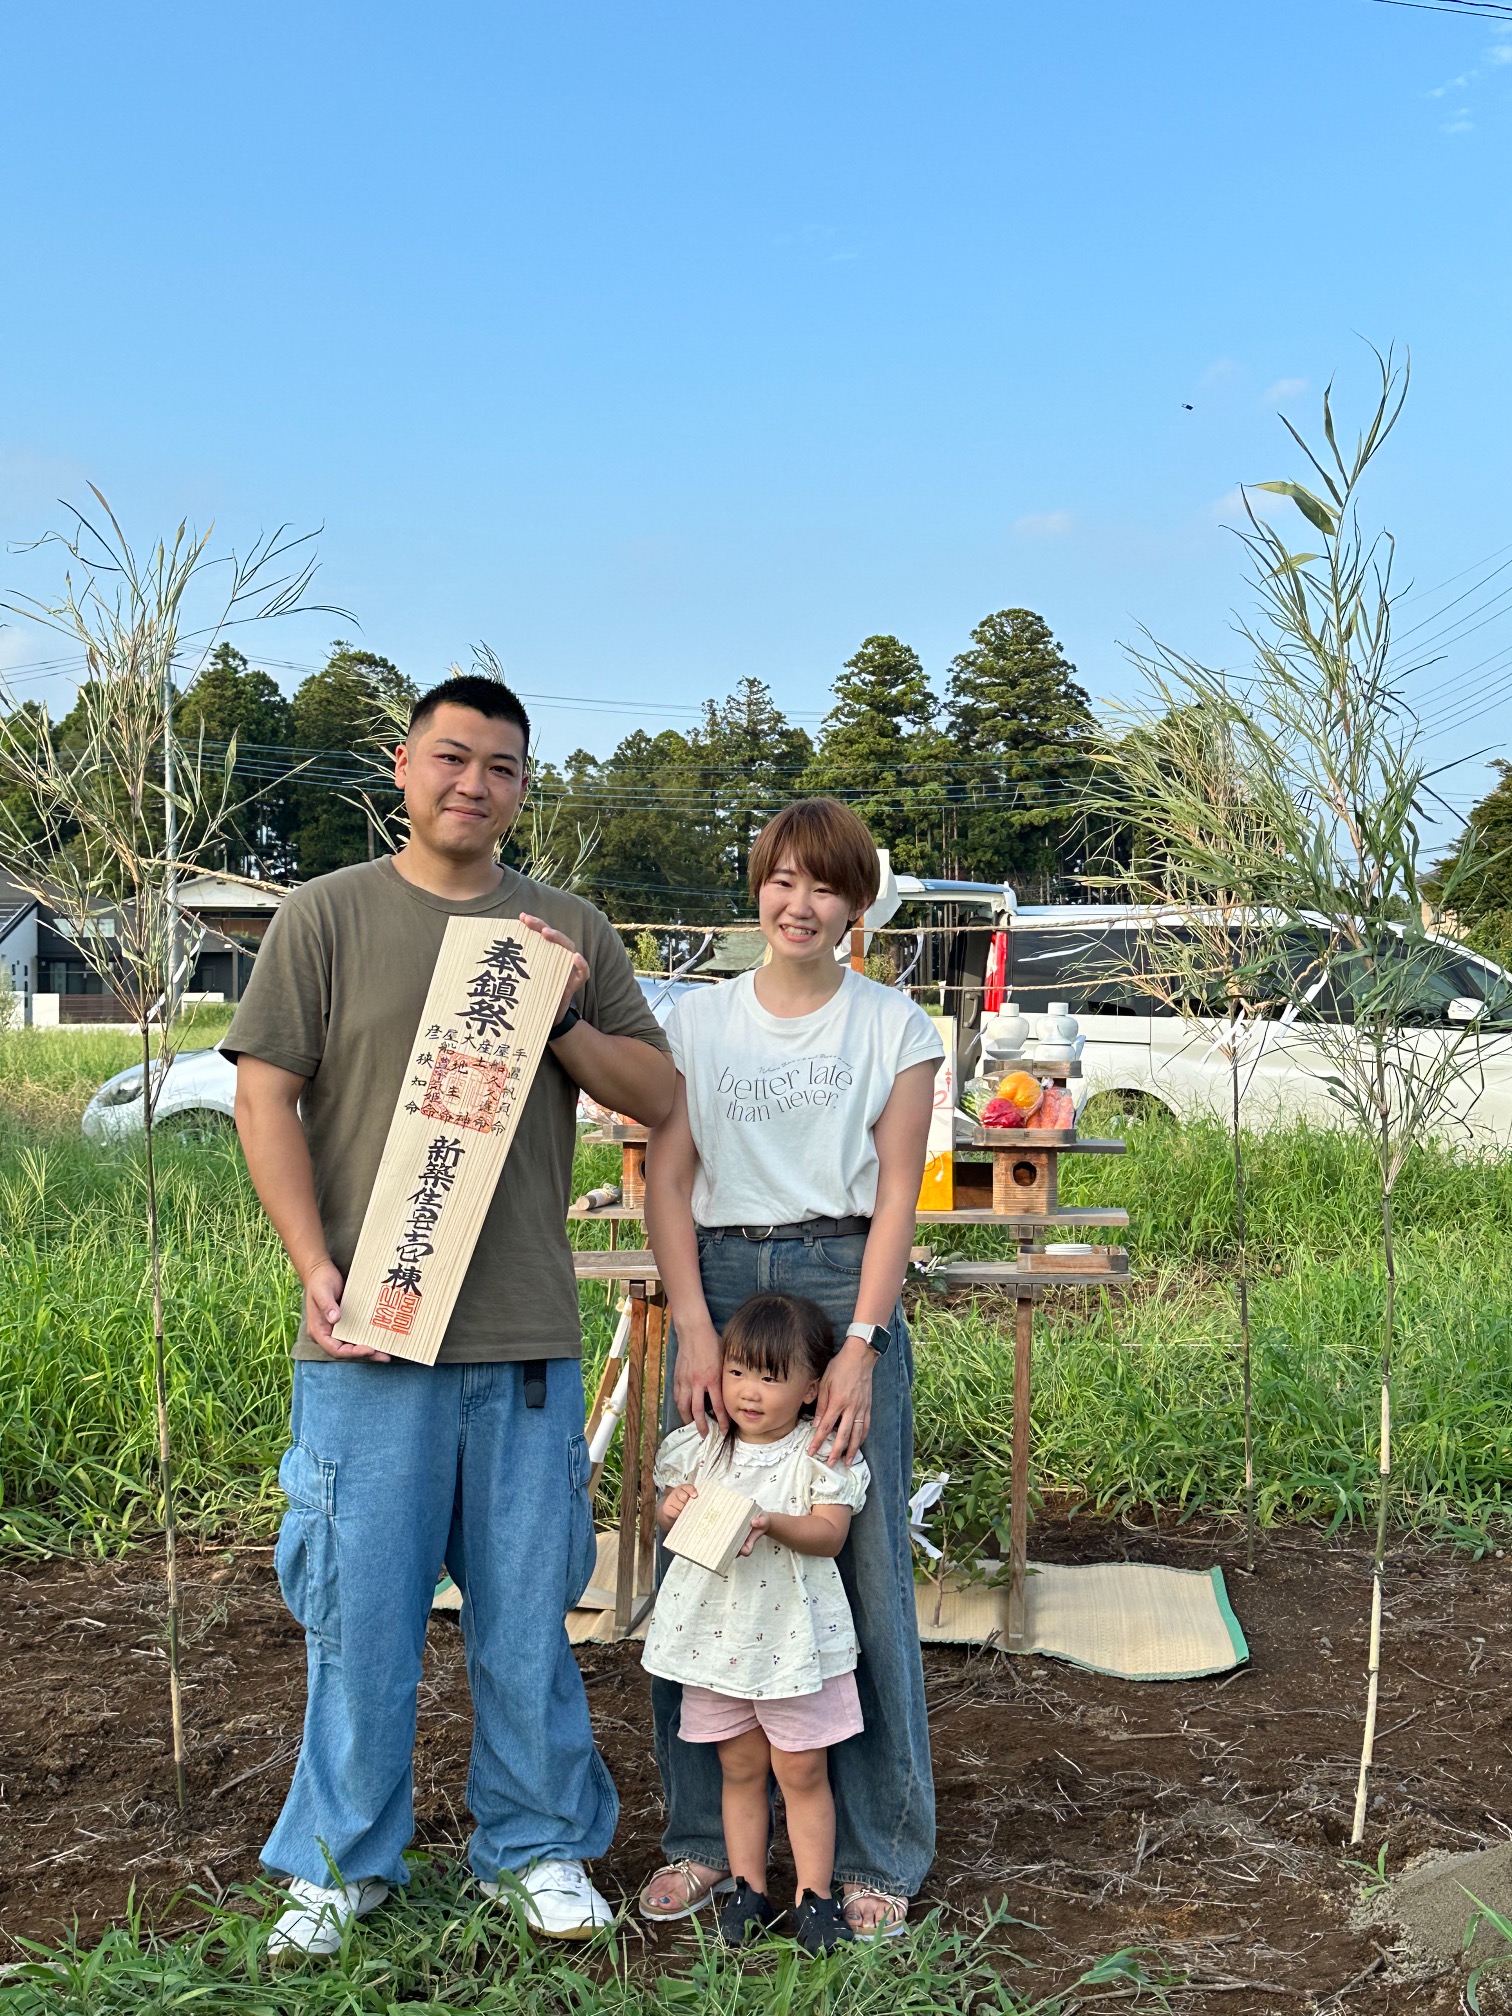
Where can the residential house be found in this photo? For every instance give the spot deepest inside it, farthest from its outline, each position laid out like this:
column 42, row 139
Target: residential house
column 224, row 924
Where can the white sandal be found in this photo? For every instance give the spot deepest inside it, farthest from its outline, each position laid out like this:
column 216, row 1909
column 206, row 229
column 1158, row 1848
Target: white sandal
column 892, row 1922
column 697, row 1890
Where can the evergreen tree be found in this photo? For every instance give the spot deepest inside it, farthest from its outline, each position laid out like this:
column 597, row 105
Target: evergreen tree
column 339, row 709
column 1484, row 906
column 658, row 842
column 880, row 751
column 72, row 733
column 19, row 815
column 752, row 761
column 1017, row 722
column 233, row 700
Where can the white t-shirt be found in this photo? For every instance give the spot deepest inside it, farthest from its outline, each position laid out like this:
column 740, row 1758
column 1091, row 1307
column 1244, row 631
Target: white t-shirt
column 782, row 1107
column 778, row 1624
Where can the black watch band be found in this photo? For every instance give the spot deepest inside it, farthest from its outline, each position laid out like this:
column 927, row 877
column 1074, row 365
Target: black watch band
column 569, row 1021
column 875, row 1336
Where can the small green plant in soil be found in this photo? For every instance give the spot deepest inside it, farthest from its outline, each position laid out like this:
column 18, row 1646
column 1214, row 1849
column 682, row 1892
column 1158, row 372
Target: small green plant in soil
column 1498, row 1964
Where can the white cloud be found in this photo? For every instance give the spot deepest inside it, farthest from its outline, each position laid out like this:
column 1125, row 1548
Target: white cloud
column 1229, row 508
column 1285, row 388
column 1497, row 53
column 1044, row 524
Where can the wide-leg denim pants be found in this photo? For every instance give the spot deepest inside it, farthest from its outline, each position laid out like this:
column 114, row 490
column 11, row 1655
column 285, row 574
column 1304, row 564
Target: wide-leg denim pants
column 883, row 1784
column 393, row 1469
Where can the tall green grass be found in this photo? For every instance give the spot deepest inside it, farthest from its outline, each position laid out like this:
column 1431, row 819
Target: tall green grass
column 439, row 1949
column 1136, row 1398
column 47, row 1075
column 78, row 1435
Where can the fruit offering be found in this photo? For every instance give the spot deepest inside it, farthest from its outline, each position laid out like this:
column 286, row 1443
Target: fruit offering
column 1022, row 1088
column 1002, row 1113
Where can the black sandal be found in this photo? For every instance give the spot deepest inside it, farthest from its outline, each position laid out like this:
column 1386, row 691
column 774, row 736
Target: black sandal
column 819, row 1924
column 746, row 1915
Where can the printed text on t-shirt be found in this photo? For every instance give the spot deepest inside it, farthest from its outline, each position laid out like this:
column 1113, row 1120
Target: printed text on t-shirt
column 814, row 1082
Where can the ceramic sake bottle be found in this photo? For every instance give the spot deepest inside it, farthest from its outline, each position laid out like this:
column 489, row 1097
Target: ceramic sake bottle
column 1004, row 1036
column 1055, row 1037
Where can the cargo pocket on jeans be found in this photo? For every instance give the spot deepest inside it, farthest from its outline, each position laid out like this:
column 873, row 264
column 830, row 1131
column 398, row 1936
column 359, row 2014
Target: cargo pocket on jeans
column 305, row 1558
column 582, row 1543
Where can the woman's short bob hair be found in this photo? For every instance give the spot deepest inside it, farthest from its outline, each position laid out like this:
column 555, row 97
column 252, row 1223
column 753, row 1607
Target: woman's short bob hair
column 824, row 839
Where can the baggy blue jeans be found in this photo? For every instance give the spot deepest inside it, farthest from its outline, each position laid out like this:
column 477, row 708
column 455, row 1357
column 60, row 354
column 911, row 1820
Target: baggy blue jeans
column 883, row 1784
column 393, row 1469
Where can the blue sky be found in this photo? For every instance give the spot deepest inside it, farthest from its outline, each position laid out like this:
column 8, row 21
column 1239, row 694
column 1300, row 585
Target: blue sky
column 660, row 344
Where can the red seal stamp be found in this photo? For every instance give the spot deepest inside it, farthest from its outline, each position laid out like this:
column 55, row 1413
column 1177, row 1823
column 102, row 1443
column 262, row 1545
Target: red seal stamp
column 464, row 1090
column 395, row 1309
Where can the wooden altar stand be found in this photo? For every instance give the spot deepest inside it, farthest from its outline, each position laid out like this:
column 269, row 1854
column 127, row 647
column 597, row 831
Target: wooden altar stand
column 1003, row 1178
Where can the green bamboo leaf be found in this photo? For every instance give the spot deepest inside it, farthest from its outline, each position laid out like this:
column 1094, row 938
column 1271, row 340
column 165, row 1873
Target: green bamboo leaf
column 1313, row 509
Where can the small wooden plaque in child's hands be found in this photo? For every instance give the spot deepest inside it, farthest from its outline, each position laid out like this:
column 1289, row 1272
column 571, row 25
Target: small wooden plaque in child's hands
column 711, row 1529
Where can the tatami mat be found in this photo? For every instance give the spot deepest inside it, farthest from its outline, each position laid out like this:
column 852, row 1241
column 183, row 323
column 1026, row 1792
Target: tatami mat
column 1122, row 1617
column 592, row 1623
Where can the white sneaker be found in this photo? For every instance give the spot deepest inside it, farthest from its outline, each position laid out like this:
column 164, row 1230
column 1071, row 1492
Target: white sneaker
column 316, row 1919
column 559, row 1900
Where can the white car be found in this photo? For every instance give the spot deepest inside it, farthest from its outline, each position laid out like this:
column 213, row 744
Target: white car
column 198, row 1094
column 1160, row 1062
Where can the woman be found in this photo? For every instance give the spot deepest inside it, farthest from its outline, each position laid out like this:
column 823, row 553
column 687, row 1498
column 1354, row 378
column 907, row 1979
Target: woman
column 791, row 1161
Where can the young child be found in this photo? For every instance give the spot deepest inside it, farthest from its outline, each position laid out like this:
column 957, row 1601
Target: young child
column 767, row 1655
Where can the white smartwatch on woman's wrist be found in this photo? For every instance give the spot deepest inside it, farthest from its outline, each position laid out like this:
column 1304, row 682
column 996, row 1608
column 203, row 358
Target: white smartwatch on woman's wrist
column 876, row 1336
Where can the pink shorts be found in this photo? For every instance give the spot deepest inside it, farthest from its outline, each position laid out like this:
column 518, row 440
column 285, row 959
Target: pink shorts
column 797, row 1722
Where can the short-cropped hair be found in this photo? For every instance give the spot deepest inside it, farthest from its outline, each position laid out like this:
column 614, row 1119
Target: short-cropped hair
column 489, row 697
column 824, row 839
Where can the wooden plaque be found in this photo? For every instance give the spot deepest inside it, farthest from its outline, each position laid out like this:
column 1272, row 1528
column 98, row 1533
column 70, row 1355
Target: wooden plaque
column 711, row 1529
column 493, row 996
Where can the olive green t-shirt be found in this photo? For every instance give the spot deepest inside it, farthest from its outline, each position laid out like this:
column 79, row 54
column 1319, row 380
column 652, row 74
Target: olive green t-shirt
column 336, row 996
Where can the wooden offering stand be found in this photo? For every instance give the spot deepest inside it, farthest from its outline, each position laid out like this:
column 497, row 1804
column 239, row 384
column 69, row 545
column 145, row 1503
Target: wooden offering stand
column 1007, row 1177
column 631, row 1141
column 1017, row 1187
column 644, row 1350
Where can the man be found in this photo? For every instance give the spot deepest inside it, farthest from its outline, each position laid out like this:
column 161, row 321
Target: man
column 480, row 1459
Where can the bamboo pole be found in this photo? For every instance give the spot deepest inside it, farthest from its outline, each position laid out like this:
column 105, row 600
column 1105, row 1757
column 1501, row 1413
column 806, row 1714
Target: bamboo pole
column 1378, row 1563
column 624, row 1583
column 656, row 1325
column 1242, row 1266
column 1018, row 1548
column 165, row 1446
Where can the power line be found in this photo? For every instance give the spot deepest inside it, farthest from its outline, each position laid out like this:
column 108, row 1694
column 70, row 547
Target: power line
column 1413, row 629
column 1416, row 594
column 1487, row 10
column 276, row 751
column 1476, row 697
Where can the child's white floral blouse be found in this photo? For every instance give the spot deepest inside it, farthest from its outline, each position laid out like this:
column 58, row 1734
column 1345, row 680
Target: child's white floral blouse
column 778, row 1625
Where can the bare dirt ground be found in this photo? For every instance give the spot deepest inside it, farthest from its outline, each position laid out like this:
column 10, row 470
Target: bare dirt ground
column 1205, row 1822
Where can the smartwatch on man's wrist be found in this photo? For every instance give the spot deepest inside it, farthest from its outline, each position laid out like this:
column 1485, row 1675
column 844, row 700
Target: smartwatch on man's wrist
column 570, row 1020
column 876, row 1336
